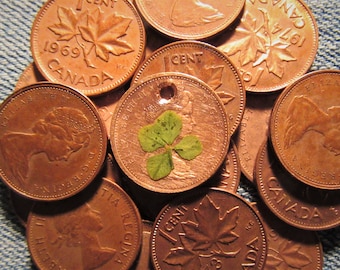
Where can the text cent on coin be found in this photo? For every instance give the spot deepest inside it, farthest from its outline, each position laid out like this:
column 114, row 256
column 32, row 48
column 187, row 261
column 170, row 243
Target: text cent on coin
column 52, row 141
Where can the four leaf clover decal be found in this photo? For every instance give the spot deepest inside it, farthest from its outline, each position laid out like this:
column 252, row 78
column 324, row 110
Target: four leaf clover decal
column 162, row 134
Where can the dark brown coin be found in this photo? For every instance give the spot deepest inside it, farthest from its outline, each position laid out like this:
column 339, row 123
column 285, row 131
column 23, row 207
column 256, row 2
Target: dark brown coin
column 169, row 133
column 21, row 206
column 205, row 62
column 305, row 129
column 30, row 75
column 92, row 46
column 208, row 229
column 289, row 247
column 52, row 141
column 294, row 202
column 99, row 228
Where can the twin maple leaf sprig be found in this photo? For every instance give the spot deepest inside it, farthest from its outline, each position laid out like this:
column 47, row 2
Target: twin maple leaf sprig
column 93, row 31
column 162, row 134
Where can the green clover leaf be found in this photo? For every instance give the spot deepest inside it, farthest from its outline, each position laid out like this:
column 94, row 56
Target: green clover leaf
column 159, row 166
column 189, row 147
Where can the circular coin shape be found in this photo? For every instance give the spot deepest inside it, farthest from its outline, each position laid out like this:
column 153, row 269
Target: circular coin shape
column 169, row 133
column 294, row 202
column 305, row 129
column 274, row 43
column 208, row 229
column 91, row 46
column 190, row 19
column 52, row 141
column 205, row 62
column 99, row 228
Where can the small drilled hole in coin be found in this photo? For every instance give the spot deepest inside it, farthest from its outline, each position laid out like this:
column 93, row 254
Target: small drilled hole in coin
column 167, row 92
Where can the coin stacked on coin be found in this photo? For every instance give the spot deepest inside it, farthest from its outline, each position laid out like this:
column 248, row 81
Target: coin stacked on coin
column 126, row 137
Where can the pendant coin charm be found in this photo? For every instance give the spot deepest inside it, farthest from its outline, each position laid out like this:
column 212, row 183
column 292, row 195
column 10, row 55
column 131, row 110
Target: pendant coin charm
column 52, row 141
column 91, row 47
column 305, row 129
column 169, row 133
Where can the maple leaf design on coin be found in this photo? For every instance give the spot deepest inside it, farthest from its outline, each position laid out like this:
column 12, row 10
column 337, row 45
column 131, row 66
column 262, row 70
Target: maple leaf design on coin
column 257, row 45
column 162, row 135
column 94, row 32
column 205, row 237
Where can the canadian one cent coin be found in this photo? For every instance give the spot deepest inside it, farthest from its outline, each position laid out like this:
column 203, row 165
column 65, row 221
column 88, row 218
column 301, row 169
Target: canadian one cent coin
column 205, row 62
column 208, row 229
column 99, row 228
column 305, row 129
column 52, row 141
column 274, row 43
column 190, row 19
column 30, row 75
column 169, row 133
column 92, row 46
column 294, row 202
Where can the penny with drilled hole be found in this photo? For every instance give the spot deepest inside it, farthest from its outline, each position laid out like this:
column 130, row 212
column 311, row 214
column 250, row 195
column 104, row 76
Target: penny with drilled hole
column 99, row 228
column 52, row 141
column 169, row 133
column 305, row 129
column 205, row 62
column 208, row 229
column 91, row 47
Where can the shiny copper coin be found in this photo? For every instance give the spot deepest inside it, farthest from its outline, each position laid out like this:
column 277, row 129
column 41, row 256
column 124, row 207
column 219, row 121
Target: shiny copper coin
column 208, row 229
column 190, row 19
column 274, row 43
column 289, row 247
column 91, row 46
column 169, row 133
column 253, row 130
column 52, row 141
column 99, row 228
column 205, row 62
column 305, row 129
column 294, row 202
column 30, row 75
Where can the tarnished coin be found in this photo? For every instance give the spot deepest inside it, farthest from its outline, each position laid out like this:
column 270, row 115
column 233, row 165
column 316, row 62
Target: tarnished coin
column 169, row 133
column 294, row 202
column 52, row 141
column 30, row 75
column 208, row 229
column 205, row 62
column 190, row 19
column 289, row 247
column 253, row 130
column 274, row 43
column 99, row 228
column 305, row 129
column 92, row 46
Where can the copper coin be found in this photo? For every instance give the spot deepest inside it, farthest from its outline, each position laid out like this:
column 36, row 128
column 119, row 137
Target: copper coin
column 21, row 206
column 274, row 43
column 208, row 229
column 253, row 130
column 190, row 19
column 30, row 75
column 52, row 141
column 305, row 129
column 205, row 62
column 169, row 133
column 99, row 228
column 294, row 202
column 289, row 247
column 111, row 170
column 92, row 46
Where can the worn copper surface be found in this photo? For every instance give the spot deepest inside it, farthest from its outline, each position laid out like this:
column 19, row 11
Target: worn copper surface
column 305, row 129
column 202, row 115
column 190, row 19
column 99, row 228
column 273, row 44
column 208, row 229
column 30, row 75
column 205, row 62
column 253, row 130
column 294, row 202
column 91, row 46
column 52, row 141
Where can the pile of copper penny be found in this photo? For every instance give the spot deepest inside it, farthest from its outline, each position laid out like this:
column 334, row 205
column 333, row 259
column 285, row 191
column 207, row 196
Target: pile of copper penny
column 124, row 142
